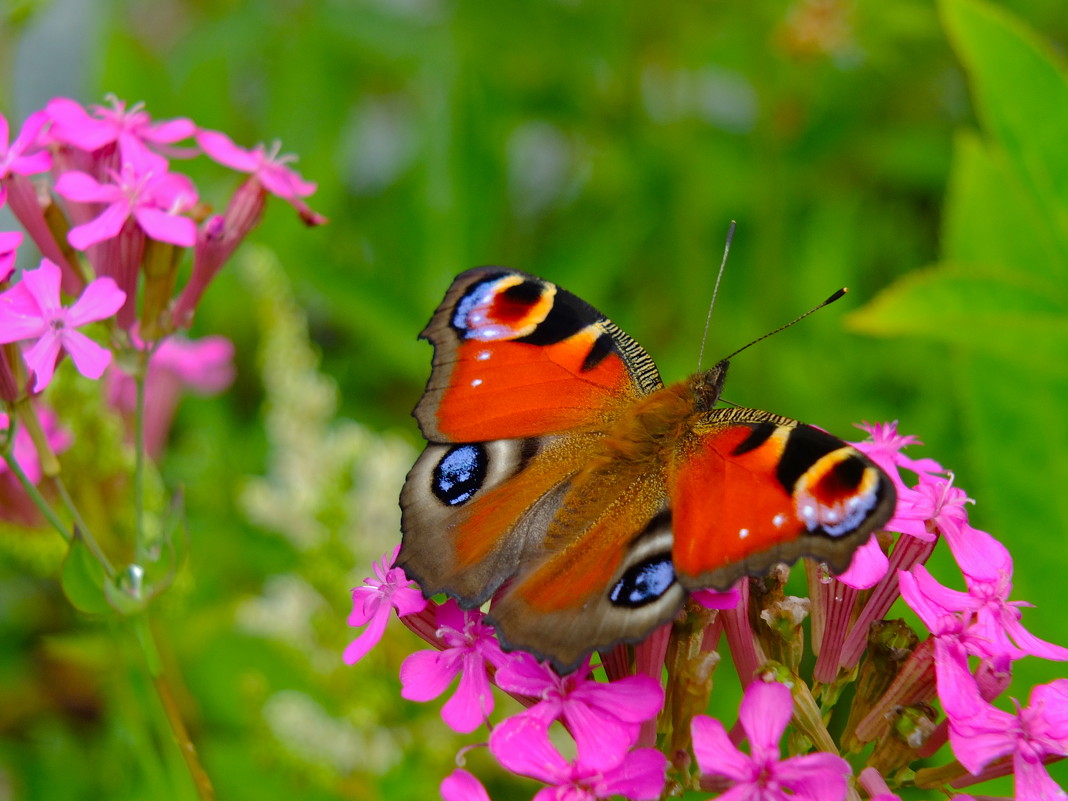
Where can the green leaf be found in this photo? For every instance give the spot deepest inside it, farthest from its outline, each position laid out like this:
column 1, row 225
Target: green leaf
column 83, row 580
column 1016, row 318
column 1021, row 91
column 990, row 217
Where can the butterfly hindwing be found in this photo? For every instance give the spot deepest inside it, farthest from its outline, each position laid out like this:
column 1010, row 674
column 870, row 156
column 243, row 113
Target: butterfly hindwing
column 613, row 583
column 750, row 489
column 471, row 512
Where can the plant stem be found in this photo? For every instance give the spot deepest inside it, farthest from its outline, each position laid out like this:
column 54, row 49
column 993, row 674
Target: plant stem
column 139, row 450
column 82, row 529
column 36, row 497
column 201, row 780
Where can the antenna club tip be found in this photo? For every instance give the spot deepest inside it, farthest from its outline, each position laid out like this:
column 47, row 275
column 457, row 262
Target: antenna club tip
column 836, row 296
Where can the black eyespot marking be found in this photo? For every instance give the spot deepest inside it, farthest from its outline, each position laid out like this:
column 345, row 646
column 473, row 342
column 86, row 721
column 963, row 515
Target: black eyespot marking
column 459, row 474
column 567, row 317
column 602, row 346
column 760, row 434
column 644, row 582
column 804, row 447
column 848, row 473
column 524, row 294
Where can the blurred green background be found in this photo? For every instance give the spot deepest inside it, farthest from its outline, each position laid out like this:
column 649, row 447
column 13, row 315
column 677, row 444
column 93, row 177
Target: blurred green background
column 911, row 151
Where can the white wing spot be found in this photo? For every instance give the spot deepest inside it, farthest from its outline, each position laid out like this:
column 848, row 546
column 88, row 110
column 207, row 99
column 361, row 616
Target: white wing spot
column 477, row 382
column 778, row 520
column 743, row 533
column 482, row 355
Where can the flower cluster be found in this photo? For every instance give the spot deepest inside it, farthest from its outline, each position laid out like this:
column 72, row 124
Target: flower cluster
column 96, row 193
column 909, row 694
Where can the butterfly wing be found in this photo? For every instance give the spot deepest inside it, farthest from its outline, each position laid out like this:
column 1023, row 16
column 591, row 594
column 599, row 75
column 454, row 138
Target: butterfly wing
column 750, row 489
column 515, row 356
column 525, row 375
column 612, row 582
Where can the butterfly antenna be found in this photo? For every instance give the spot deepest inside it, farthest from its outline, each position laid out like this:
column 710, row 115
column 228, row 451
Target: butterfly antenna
column 836, row 296
column 715, row 291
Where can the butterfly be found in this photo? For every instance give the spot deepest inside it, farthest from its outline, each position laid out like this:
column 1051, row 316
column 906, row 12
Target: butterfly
column 566, row 481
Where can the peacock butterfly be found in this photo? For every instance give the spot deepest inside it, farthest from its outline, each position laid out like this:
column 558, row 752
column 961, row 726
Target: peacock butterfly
column 563, row 479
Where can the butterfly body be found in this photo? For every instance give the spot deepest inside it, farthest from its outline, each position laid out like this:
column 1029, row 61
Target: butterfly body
column 566, row 481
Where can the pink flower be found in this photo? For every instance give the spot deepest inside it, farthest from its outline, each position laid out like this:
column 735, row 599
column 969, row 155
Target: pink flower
column 604, row 718
column 31, row 310
column 886, row 446
column 524, row 748
column 469, row 645
column 132, row 128
column 14, row 158
column 373, row 602
column 761, row 776
column 9, row 243
column 996, row 619
column 267, row 167
column 142, row 189
column 913, row 508
column 1030, row 735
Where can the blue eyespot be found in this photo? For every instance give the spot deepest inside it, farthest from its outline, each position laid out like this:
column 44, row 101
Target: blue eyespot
column 459, row 474
column 644, row 582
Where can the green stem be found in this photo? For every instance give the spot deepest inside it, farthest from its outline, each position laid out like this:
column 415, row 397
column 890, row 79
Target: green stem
column 36, row 497
column 82, row 528
column 146, row 637
column 139, row 451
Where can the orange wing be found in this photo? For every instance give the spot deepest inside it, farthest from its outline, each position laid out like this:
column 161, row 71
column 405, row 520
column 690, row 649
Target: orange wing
column 750, row 489
column 516, row 356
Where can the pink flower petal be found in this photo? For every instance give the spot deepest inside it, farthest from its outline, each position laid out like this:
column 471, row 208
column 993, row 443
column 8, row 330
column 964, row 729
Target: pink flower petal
column 868, row 567
column 368, row 638
column 714, row 751
column 602, row 740
column 74, row 125
column 714, row 599
column 20, row 317
column 462, row 786
column 765, row 710
column 99, row 301
column 425, row 675
column 221, row 148
column 81, row 187
column 521, row 744
column 106, row 226
column 524, row 675
column 166, row 227
column 472, row 702
column 633, row 699
column 43, row 285
column 90, row 359
column 640, row 776
column 41, row 359
column 1033, row 782
column 815, row 777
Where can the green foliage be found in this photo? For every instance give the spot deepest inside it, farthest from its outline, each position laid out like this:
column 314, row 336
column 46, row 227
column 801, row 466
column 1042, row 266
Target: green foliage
column 998, row 297
column 606, row 147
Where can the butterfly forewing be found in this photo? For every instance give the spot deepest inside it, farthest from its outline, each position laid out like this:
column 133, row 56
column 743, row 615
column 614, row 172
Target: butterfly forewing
column 515, row 356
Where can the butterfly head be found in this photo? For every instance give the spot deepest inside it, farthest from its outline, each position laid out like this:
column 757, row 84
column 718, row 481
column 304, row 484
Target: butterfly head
column 708, row 386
